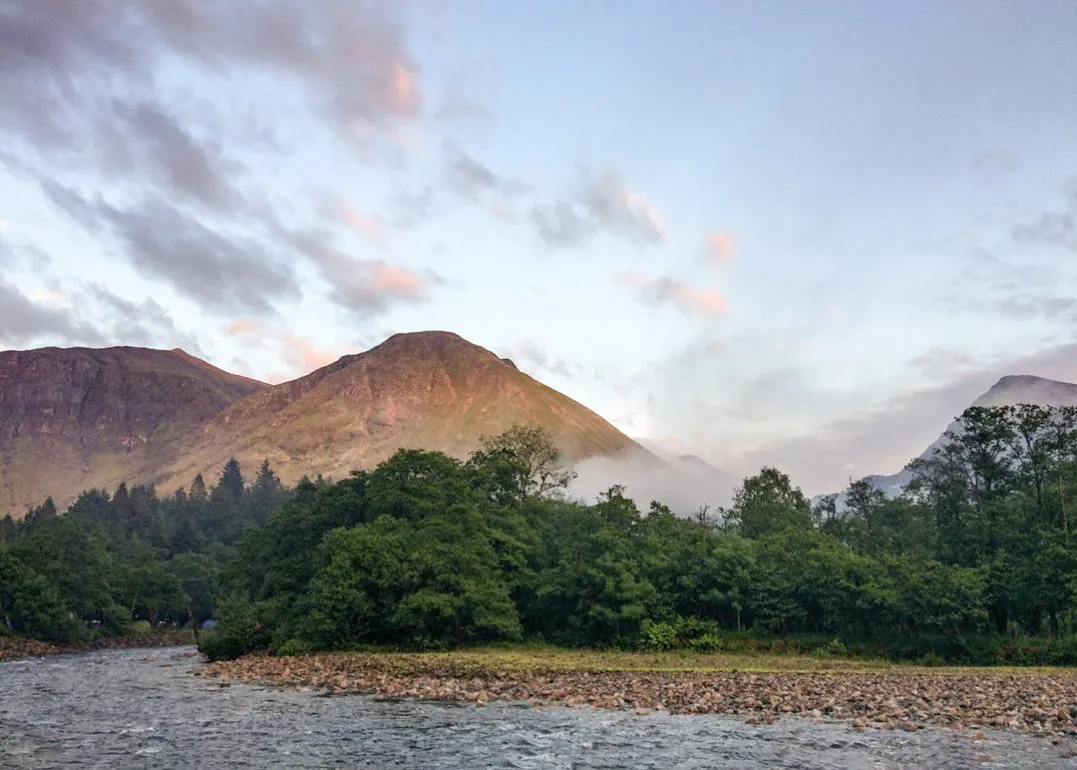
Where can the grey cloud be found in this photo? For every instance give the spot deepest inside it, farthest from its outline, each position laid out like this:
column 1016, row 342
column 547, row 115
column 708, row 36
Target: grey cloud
column 225, row 273
column 143, row 323
column 1053, row 308
column 1053, row 229
column 470, row 178
column 601, row 200
column 228, row 273
column 994, row 161
column 361, row 287
column 533, row 356
column 352, row 57
column 171, row 154
column 84, row 98
column 561, row 225
column 24, row 321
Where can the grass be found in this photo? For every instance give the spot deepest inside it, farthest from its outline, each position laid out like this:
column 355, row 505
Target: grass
column 506, row 658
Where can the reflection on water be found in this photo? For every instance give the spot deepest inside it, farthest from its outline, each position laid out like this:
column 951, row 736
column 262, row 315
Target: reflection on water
column 140, row 709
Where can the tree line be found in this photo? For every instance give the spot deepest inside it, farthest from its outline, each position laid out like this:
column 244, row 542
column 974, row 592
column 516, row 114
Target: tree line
column 973, row 563
column 113, row 560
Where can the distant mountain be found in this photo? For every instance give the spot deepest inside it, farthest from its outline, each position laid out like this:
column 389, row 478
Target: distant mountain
column 429, row 390
column 72, row 418
column 1008, row 391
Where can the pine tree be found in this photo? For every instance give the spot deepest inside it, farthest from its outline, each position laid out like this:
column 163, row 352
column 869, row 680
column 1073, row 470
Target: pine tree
column 231, row 481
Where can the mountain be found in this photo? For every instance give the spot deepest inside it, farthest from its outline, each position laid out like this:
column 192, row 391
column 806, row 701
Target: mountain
column 1008, row 391
column 73, row 418
column 429, row 390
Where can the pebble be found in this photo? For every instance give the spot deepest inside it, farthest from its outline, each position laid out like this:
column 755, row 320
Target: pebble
column 1034, row 702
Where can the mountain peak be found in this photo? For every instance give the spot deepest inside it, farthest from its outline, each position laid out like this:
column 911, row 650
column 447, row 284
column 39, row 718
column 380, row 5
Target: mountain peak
column 427, row 389
column 1016, row 389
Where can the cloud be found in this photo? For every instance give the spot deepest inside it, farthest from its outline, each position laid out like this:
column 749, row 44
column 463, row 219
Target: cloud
column 533, row 356
column 300, row 354
column 145, row 323
column 371, row 227
column 4, row 225
column 689, row 300
column 719, row 247
column 1023, row 308
column 601, row 201
column 458, row 107
column 94, row 92
column 468, row 177
column 367, row 287
column 1055, row 229
column 23, row 321
column 223, row 272
column 887, row 436
column 994, row 161
column 351, row 58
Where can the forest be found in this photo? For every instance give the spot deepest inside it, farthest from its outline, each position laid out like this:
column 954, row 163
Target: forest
column 973, row 564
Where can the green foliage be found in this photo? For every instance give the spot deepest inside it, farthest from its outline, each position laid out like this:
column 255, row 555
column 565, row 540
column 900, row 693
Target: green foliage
column 659, row 637
column 294, row 648
column 975, row 564
column 239, row 631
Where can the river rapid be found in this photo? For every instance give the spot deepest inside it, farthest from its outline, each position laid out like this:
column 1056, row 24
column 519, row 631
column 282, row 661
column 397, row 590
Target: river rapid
column 142, row 709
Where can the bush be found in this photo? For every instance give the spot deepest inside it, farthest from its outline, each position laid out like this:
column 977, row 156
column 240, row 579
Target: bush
column 658, row 637
column 141, row 627
column 931, row 659
column 294, row 648
column 238, row 632
column 708, row 644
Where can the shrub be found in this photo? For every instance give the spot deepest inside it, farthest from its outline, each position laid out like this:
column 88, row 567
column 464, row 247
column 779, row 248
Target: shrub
column 708, row 643
column 238, row 632
column 931, row 659
column 658, row 637
column 294, row 648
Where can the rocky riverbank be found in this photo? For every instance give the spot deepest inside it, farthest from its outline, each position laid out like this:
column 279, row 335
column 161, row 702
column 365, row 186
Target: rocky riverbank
column 910, row 699
column 13, row 647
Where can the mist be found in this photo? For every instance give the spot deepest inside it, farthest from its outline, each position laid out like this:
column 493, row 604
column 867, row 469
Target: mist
column 685, row 484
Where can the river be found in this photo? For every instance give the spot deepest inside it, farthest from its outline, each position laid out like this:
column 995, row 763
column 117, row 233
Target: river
column 142, row 709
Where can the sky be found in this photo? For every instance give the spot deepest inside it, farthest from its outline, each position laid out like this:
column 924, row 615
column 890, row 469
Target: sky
column 797, row 234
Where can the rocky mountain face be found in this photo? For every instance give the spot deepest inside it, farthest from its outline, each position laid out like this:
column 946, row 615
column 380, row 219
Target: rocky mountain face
column 74, row 418
column 428, row 390
column 1008, row 391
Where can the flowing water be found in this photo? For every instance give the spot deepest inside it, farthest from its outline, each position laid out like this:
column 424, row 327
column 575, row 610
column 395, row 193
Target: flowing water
column 141, row 709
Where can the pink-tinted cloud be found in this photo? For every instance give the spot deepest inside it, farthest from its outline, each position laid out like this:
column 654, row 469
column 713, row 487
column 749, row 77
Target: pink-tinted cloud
column 300, row 355
column 719, row 247
column 602, row 201
column 690, row 300
column 370, row 226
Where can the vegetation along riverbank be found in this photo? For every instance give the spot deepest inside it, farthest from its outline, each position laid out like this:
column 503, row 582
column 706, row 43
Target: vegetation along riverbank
column 759, row 689
column 14, row 647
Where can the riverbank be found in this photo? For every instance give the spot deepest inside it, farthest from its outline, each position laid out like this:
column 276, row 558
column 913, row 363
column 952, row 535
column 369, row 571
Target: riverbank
column 760, row 689
column 14, row 647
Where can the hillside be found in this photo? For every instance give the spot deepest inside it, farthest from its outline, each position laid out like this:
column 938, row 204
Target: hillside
column 72, row 418
column 1008, row 391
column 431, row 390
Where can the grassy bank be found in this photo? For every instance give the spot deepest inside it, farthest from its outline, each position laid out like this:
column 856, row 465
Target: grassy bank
column 507, row 658
column 757, row 688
